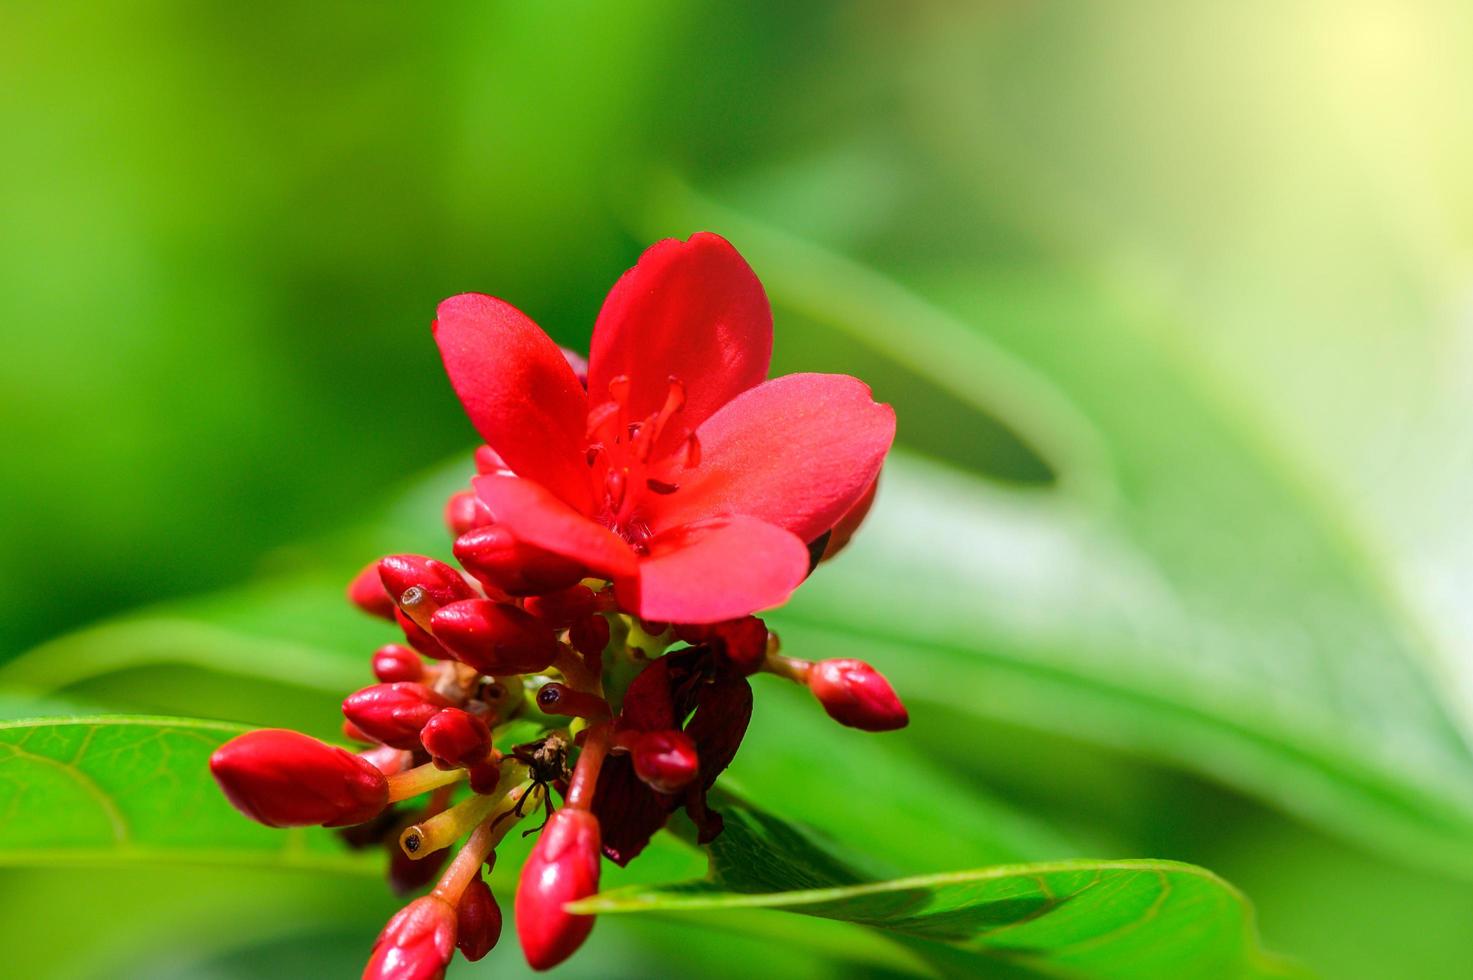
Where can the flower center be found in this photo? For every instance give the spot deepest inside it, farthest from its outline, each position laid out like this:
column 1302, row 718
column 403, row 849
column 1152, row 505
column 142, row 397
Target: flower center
column 629, row 458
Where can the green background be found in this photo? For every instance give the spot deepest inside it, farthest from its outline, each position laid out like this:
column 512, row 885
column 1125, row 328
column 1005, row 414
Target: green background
column 1174, row 302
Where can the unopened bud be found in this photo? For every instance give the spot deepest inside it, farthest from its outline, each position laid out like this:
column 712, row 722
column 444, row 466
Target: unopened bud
column 394, row 714
column 417, row 944
column 498, row 559
column 438, row 582
column 666, row 761
column 563, row 867
column 286, row 779
column 367, row 592
column 857, row 695
column 479, row 920
column 456, row 738
column 464, row 511
column 393, row 664
column 495, row 637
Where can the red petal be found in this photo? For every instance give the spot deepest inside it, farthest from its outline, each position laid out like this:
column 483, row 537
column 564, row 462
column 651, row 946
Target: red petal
column 538, row 518
column 798, row 451
column 693, row 310
column 518, row 390
column 714, row 571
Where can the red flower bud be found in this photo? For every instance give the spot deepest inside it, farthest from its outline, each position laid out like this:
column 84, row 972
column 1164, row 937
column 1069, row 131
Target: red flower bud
column 857, row 695
column 562, row 868
column 494, row 637
column 479, row 916
column 666, row 761
column 491, row 554
column 560, row 609
column 743, row 641
column 287, row 779
column 393, row 663
column 417, row 944
column 394, row 714
column 440, row 583
column 464, row 512
column 367, row 592
column 419, row 638
column 456, row 738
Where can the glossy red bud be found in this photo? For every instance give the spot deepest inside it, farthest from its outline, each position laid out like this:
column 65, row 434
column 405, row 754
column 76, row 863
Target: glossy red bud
column 495, row 557
column 440, row 583
column 666, row 761
column 561, row 608
column 393, row 663
column 857, row 695
column 419, row 638
column 367, row 592
column 286, row 779
column 479, row 920
column 456, row 738
column 417, row 944
column 394, row 714
column 563, row 867
column 464, row 512
column 494, row 637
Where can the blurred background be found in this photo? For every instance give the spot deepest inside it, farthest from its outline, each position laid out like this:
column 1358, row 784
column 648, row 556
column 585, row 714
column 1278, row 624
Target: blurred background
column 1174, row 302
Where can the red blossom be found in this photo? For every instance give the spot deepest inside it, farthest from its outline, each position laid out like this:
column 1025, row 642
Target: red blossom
column 680, row 474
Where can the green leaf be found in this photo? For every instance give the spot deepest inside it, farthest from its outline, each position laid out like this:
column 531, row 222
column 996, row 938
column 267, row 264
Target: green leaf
column 1094, row 918
column 119, row 790
column 1181, row 592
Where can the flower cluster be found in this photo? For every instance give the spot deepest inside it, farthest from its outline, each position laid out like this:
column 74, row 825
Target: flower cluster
column 628, row 517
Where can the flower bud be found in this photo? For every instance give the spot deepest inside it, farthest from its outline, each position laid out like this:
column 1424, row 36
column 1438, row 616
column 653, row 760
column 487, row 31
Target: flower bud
column 562, row 868
column 464, row 512
column 494, row 637
column 857, row 695
column 743, row 642
column 456, row 738
column 393, row 663
column 394, row 714
column 666, row 761
column 419, row 638
column 417, row 944
column 479, row 920
column 590, row 635
column 367, row 592
column 440, row 583
column 286, row 779
column 491, row 554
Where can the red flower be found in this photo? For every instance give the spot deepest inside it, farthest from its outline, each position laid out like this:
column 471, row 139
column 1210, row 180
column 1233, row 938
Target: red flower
column 680, row 474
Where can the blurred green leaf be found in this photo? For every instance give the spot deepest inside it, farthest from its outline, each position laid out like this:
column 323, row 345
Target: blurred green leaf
column 1180, row 593
column 1092, row 918
column 113, row 789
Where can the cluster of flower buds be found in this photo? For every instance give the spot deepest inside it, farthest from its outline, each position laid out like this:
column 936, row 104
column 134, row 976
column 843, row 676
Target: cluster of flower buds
column 526, row 675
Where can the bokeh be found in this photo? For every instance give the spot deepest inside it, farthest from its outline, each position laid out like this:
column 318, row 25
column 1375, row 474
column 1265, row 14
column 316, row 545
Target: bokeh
column 1174, row 302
